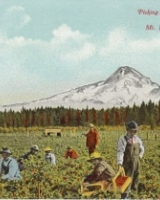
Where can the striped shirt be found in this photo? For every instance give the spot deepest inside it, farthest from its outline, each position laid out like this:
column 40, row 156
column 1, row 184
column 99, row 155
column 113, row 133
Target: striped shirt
column 122, row 142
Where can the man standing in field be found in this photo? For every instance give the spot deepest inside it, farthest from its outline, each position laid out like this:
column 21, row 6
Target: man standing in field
column 129, row 152
column 92, row 139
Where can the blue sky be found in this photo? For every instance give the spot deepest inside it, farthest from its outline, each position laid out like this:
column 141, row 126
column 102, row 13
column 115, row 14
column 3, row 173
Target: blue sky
column 48, row 47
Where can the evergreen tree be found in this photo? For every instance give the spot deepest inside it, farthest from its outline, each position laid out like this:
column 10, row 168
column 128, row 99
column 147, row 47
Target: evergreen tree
column 106, row 117
column 143, row 114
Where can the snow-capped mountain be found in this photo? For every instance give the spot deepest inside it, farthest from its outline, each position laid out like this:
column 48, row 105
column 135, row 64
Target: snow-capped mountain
column 126, row 86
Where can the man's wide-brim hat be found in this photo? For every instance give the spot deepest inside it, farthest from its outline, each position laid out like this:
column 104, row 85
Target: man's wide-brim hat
column 35, row 147
column 132, row 125
column 94, row 156
column 5, row 150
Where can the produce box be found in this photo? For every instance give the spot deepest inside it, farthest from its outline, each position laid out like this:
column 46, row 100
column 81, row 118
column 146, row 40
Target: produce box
column 121, row 181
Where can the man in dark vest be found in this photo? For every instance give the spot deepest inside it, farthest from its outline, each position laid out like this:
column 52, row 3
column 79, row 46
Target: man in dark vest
column 8, row 166
column 129, row 152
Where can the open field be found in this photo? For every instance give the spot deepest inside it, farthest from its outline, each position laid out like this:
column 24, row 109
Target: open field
column 63, row 180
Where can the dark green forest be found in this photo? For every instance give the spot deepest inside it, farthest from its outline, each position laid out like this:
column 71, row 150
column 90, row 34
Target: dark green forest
column 145, row 114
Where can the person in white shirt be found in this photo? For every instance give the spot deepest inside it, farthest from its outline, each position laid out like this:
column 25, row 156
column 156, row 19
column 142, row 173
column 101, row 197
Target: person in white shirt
column 130, row 150
column 50, row 157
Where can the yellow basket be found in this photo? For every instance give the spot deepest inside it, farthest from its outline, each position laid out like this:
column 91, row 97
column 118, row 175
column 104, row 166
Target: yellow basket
column 88, row 189
column 121, row 181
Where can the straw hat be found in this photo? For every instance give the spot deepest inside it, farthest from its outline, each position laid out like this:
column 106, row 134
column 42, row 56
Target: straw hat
column 5, row 150
column 95, row 155
column 91, row 125
column 47, row 149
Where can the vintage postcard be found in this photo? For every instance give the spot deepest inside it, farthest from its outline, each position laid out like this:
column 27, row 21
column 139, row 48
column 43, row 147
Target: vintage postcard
column 80, row 99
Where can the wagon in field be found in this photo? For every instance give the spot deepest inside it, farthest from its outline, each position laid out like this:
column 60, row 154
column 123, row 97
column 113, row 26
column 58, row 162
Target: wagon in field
column 53, row 131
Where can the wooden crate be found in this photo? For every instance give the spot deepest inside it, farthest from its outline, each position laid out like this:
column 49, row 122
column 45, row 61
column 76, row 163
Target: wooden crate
column 89, row 189
column 121, row 181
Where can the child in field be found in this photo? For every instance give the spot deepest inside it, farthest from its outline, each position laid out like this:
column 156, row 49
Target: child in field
column 71, row 154
column 50, row 157
column 130, row 151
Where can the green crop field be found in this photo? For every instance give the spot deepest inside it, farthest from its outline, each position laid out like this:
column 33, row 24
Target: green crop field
column 40, row 180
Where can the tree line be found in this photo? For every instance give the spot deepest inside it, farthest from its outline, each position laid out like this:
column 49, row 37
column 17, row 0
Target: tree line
column 145, row 114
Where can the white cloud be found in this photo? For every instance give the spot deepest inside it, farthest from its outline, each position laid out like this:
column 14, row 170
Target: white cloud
column 71, row 45
column 115, row 40
column 15, row 18
column 145, row 45
column 119, row 41
column 64, row 33
column 17, row 42
column 83, row 53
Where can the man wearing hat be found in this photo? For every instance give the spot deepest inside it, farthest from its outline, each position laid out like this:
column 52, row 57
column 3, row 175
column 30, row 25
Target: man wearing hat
column 50, row 157
column 8, row 166
column 33, row 151
column 92, row 139
column 130, row 150
column 102, row 170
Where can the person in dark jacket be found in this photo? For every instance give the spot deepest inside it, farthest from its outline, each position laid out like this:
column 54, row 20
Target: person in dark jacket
column 33, row 151
column 102, row 170
column 130, row 150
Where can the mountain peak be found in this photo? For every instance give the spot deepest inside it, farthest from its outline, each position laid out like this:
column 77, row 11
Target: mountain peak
column 125, row 72
column 126, row 86
column 129, row 70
